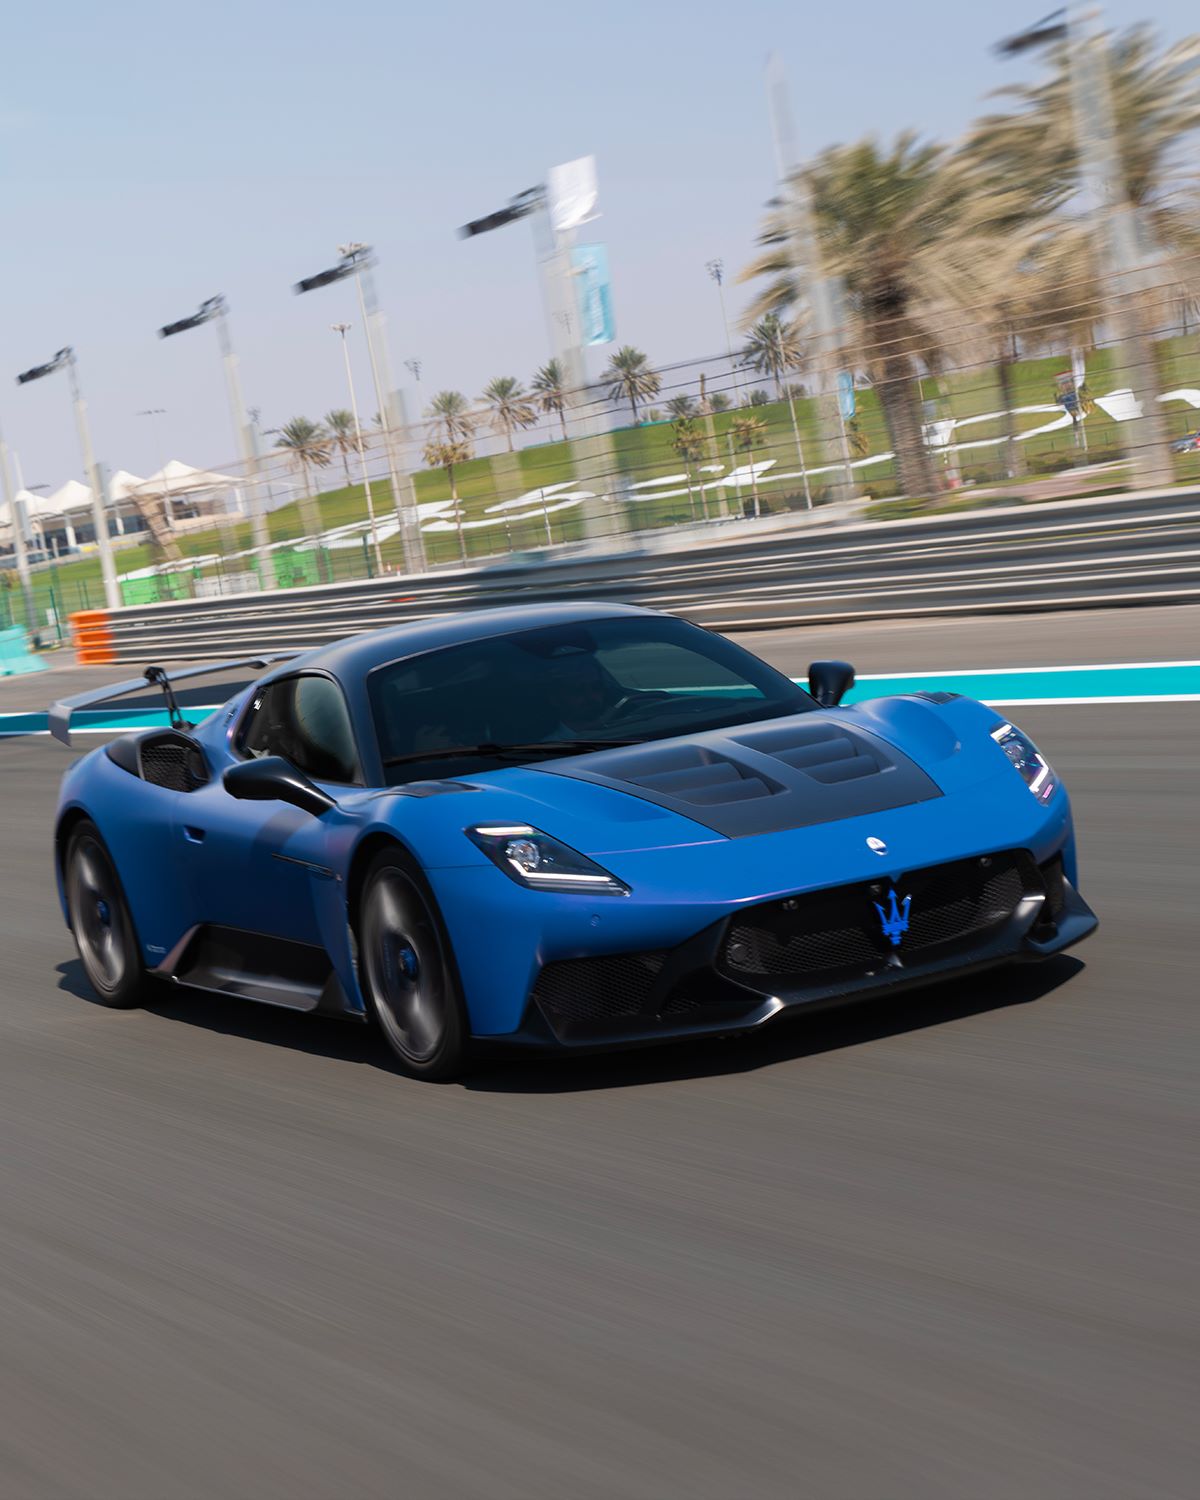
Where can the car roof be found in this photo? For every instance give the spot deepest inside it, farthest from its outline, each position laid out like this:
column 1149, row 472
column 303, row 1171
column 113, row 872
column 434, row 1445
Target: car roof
column 356, row 655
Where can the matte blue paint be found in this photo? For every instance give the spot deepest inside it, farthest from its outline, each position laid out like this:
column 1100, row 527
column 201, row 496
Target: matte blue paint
column 683, row 876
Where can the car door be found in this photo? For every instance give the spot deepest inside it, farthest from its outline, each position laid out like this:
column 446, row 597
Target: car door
column 252, row 865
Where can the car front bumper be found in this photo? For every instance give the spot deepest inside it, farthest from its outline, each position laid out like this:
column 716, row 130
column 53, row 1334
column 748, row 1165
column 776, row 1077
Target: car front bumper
column 809, row 953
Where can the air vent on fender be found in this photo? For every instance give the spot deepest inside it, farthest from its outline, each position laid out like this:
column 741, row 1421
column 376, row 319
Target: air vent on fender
column 173, row 761
column 692, row 774
column 829, row 753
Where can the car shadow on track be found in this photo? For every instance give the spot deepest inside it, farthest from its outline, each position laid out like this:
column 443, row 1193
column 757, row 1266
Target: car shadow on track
column 505, row 1072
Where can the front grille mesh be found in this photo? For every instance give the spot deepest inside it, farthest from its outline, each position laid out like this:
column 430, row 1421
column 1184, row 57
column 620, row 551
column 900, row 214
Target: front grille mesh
column 753, row 949
column 598, row 989
column 840, row 930
column 954, row 916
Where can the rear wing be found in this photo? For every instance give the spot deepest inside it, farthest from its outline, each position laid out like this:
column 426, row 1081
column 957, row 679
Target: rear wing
column 62, row 711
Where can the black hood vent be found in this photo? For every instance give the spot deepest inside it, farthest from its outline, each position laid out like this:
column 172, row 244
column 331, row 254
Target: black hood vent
column 790, row 773
column 702, row 777
column 826, row 752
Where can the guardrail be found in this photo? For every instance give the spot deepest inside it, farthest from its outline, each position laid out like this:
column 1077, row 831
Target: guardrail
column 1064, row 555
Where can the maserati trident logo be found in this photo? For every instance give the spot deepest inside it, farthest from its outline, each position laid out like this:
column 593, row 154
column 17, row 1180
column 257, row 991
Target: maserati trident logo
column 895, row 919
column 877, row 846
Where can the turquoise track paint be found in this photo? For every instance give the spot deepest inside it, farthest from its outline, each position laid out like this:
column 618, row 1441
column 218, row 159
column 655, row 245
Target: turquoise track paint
column 94, row 721
column 1130, row 682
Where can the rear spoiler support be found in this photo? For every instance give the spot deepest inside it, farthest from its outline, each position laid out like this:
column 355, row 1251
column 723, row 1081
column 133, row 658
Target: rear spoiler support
column 62, row 711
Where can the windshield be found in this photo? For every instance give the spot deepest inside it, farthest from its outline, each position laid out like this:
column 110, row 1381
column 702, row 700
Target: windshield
column 566, row 689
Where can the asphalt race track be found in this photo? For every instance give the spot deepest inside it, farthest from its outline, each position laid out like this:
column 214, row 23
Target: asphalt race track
column 943, row 1246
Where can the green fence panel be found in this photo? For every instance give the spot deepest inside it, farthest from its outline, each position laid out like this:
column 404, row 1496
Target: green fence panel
column 294, row 569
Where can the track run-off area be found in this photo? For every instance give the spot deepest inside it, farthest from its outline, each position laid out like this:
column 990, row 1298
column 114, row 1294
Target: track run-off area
column 942, row 1245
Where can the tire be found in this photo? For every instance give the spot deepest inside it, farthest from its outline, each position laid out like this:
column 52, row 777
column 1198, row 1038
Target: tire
column 101, row 923
column 407, row 970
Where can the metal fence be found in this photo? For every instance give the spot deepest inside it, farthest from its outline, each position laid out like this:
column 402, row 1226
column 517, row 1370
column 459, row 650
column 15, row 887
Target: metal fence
column 716, row 448
column 1073, row 554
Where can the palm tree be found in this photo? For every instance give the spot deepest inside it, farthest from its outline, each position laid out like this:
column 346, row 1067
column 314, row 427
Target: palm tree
column 450, row 417
column 747, row 433
column 1155, row 114
column 893, row 225
column 630, row 378
column 773, row 348
column 339, row 424
column 681, row 407
column 307, row 446
column 550, row 388
column 447, row 453
column 510, row 406
column 718, row 401
column 690, row 444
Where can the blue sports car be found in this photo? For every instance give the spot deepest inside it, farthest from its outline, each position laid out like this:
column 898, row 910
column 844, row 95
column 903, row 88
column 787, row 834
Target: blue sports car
column 558, row 826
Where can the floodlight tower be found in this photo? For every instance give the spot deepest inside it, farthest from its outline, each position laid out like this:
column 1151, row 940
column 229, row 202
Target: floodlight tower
column 65, row 360
column 215, row 310
column 358, row 262
column 557, row 208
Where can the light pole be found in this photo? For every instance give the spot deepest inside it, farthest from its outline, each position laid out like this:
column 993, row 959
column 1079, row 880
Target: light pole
column 216, row 310
column 358, row 261
column 156, row 411
column 413, row 366
column 342, row 328
column 716, row 269
column 65, row 359
column 792, row 409
column 16, row 514
column 804, row 254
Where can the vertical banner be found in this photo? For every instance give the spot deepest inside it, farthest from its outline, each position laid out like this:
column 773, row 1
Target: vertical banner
column 593, row 294
column 845, row 388
column 572, row 192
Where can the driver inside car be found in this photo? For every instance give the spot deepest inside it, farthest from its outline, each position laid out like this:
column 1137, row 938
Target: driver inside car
column 580, row 691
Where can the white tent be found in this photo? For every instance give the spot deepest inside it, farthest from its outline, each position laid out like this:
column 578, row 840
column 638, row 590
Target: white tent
column 38, row 506
column 41, row 512
column 176, row 478
column 122, row 485
column 71, row 496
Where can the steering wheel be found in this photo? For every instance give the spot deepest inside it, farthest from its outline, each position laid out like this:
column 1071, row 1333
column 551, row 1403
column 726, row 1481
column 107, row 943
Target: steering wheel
column 631, row 702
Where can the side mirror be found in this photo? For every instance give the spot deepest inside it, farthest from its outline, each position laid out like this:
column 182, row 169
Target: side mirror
column 272, row 779
column 830, row 681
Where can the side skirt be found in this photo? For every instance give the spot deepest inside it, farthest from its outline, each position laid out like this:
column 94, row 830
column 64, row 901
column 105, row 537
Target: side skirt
column 258, row 966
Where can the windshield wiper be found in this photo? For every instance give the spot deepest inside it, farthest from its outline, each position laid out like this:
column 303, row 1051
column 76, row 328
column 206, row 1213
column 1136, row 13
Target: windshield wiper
column 508, row 752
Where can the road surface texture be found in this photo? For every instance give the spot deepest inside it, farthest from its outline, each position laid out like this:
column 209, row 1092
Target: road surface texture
column 941, row 1246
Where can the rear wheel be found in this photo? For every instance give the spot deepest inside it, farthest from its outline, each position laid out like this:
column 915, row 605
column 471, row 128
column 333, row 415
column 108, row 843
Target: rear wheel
column 100, row 920
column 407, row 972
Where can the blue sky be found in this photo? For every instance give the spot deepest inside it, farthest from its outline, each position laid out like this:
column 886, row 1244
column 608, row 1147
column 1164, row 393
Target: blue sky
column 154, row 154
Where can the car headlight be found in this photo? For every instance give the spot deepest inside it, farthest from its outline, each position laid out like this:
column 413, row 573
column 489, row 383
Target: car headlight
column 1027, row 760
column 536, row 860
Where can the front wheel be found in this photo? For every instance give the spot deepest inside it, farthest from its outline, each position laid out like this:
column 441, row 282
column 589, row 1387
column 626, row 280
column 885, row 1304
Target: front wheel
column 407, row 972
column 100, row 920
